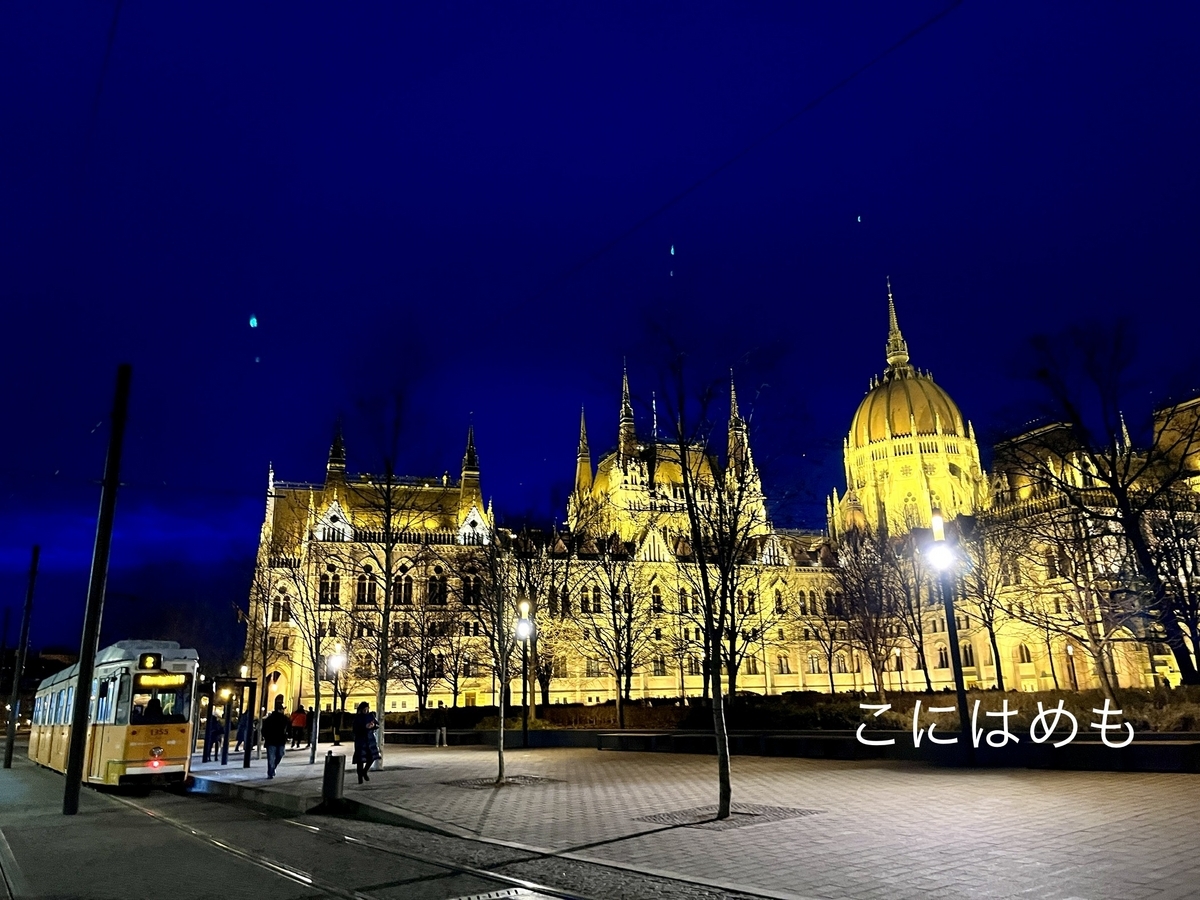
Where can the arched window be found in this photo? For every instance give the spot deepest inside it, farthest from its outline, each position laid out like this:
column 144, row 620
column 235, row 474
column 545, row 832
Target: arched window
column 695, row 600
column 656, row 600
column 324, row 595
column 785, row 665
column 471, row 590
column 943, row 660
column 436, row 592
column 627, row 598
column 778, row 602
column 968, row 656
column 552, row 602
column 1023, row 654
column 750, row 602
column 910, row 513
column 803, row 603
column 597, row 603
column 741, row 602
column 814, row 664
column 565, row 609
column 840, row 662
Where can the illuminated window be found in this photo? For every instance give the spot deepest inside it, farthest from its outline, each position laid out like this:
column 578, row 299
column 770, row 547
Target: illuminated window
column 1023, row 654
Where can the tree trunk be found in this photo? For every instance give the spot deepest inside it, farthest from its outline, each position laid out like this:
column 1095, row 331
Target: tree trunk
column 877, row 674
column 831, row 688
column 1050, row 656
column 315, row 726
column 725, row 785
column 996, row 657
column 500, row 728
column 620, row 705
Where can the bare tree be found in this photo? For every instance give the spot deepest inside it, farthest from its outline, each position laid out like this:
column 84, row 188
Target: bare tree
column 992, row 552
column 912, row 585
column 866, row 588
column 616, row 618
column 497, row 595
column 725, row 515
column 1094, row 465
column 822, row 621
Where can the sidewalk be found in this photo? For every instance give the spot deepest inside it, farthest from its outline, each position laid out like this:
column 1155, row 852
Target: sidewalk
column 810, row 828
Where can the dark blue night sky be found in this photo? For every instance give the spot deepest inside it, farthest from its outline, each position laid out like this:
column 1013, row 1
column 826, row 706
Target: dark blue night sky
column 453, row 203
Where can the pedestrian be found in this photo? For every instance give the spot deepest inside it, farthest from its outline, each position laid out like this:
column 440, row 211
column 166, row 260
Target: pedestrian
column 366, row 743
column 243, row 730
column 299, row 726
column 216, row 735
column 439, row 725
column 275, row 734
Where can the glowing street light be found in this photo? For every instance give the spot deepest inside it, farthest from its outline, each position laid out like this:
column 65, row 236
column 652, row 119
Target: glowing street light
column 335, row 663
column 523, row 631
column 943, row 558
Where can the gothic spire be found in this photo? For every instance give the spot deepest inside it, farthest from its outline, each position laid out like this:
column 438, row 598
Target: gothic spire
column 583, row 461
column 583, row 444
column 470, row 458
column 733, row 404
column 335, row 468
column 897, row 347
column 627, row 442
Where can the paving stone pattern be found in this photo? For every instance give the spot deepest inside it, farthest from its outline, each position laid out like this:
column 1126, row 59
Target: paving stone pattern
column 885, row 828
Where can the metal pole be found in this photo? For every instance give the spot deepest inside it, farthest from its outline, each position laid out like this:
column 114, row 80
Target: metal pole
column 14, row 705
column 956, row 661
column 95, row 598
column 525, row 693
column 250, row 689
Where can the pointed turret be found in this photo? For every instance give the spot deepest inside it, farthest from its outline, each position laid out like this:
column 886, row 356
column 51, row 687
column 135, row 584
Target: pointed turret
column 627, row 436
column 897, row 347
column 335, row 468
column 583, row 461
column 739, row 442
column 1126, row 441
column 469, row 493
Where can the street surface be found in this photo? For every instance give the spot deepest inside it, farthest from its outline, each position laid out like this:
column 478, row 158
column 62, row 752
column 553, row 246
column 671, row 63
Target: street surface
column 594, row 824
column 864, row 829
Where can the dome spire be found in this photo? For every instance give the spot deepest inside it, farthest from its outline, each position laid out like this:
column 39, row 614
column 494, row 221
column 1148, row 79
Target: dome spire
column 897, row 347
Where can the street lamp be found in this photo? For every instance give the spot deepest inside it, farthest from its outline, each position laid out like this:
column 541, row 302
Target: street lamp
column 943, row 558
column 524, row 629
column 900, row 669
column 335, row 664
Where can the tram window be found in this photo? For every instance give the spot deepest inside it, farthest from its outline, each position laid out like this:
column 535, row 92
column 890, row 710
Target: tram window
column 106, row 700
column 161, row 698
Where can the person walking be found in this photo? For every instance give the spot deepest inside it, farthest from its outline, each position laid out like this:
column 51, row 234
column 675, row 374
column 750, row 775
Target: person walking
column 439, row 726
column 299, row 726
column 275, row 734
column 366, row 741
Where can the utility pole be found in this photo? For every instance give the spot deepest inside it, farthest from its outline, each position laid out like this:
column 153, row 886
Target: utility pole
column 14, row 704
column 95, row 598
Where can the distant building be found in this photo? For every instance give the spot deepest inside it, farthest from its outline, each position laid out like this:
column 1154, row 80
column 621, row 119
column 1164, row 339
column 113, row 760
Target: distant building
column 909, row 454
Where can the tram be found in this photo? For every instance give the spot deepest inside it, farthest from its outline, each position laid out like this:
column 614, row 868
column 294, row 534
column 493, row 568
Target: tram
column 140, row 725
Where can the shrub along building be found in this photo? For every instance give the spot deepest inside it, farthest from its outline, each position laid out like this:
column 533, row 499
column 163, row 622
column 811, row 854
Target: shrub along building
column 1049, row 592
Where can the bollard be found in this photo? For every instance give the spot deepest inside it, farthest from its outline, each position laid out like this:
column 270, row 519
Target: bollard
column 335, row 776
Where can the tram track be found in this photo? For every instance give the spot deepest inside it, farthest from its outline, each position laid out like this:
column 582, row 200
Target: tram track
column 508, row 885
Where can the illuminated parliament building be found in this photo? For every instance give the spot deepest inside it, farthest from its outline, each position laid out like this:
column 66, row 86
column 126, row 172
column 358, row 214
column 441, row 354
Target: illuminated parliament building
column 909, row 456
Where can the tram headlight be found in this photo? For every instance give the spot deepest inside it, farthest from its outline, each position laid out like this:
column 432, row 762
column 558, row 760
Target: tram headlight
column 156, row 757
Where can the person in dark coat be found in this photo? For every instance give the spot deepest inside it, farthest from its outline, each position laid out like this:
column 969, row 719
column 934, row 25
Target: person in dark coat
column 275, row 734
column 439, row 726
column 366, row 741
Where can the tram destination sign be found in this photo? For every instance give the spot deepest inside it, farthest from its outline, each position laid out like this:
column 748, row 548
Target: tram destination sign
column 160, row 680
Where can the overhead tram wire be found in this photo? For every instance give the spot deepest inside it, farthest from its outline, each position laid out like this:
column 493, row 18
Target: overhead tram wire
column 731, row 161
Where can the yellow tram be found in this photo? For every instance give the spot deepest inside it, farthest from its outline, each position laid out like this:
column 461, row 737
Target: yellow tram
column 140, row 724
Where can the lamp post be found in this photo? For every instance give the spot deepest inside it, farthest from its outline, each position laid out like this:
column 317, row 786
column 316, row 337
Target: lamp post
column 943, row 558
column 1071, row 667
column 524, row 629
column 900, row 669
column 334, row 664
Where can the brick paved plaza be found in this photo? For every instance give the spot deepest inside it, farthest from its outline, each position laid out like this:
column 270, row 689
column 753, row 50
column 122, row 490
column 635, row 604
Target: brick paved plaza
column 873, row 829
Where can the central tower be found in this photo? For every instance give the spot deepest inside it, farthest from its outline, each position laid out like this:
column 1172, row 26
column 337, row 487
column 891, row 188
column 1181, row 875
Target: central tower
column 908, row 450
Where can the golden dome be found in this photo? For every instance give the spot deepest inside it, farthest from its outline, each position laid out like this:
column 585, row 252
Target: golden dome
column 905, row 401
column 900, row 401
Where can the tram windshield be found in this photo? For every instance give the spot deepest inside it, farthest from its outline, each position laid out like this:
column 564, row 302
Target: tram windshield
column 161, row 697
